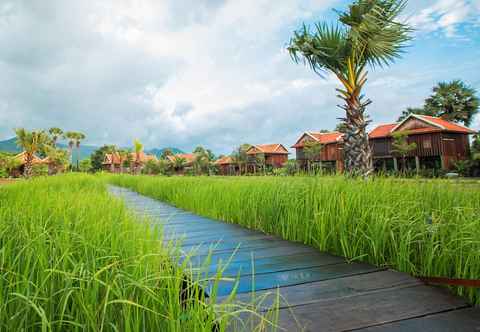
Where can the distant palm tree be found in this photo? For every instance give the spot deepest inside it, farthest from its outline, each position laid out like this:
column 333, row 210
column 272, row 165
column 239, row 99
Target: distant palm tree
column 138, row 148
column 74, row 139
column 370, row 35
column 123, row 156
column 31, row 142
column 55, row 134
column 179, row 163
column 58, row 159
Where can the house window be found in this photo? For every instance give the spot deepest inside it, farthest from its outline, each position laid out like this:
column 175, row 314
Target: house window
column 427, row 144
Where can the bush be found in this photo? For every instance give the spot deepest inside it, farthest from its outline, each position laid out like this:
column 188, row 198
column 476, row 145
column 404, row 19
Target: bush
column 39, row 170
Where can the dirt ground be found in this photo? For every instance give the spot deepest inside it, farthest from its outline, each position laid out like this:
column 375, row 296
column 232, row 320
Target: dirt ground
column 6, row 181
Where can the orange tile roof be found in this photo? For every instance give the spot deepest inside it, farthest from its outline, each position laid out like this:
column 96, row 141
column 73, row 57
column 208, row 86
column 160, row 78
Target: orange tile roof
column 322, row 138
column 22, row 158
column 382, row 130
column 437, row 125
column 189, row 157
column 267, row 148
column 450, row 126
column 142, row 157
column 227, row 160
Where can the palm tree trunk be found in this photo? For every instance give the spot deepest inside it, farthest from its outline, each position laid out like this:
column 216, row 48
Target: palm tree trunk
column 27, row 171
column 358, row 154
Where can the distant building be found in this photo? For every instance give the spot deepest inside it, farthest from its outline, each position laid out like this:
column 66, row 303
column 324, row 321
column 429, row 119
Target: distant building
column 114, row 163
column 439, row 143
column 269, row 155
column 21, row 159
column 331, row 154
column 226, row 166
column 188, row 160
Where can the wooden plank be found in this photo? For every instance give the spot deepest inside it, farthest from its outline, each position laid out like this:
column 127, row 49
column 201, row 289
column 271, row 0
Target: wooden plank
column 461, row 320
column 272, row 264
column 365, row 310
column 245, row 255
column 229, row 246
column 274, row 280
column 205, row 236
column 329, row 289
column 370, row 309
column 232, row 236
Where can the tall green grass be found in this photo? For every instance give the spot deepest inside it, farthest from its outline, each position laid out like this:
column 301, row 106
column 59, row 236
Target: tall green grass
column 72, row 258
column 429, row 228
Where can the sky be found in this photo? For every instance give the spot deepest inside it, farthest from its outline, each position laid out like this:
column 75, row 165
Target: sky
column 183, row 73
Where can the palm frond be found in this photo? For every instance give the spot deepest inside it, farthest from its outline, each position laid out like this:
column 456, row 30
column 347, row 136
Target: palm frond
column 375, row 32
column 326, row 49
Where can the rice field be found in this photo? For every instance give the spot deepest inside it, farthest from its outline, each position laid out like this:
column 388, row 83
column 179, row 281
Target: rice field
column 73, row 258
column 425, row 228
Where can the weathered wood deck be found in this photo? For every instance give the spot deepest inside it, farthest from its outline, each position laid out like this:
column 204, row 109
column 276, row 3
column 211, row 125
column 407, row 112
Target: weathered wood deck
column 321, row 292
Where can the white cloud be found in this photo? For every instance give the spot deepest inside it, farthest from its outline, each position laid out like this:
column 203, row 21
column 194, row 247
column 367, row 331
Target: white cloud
column 446, row 16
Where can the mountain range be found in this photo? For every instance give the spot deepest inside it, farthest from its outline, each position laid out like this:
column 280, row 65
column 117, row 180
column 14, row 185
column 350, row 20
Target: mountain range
column 85, row 151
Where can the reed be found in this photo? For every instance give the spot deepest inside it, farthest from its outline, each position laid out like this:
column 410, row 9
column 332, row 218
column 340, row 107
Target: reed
column 425, row 228
column 73, row 258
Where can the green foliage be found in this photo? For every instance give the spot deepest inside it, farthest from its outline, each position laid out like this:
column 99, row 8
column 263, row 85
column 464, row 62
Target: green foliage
column 469, row 167
column 39, row 170
column 422, row 228
column 75, row 259
column 31, row 141
column 400, row 143
column 312, row 150
column 8, row 163
column 152, row 167
column 476, row 144
column 453, row 101
column 98, row 156
column 85, row 165
column 240, row 156
column 166, row 152
column 369, row 34
column 55, row 134
column 401, row 146
column 341, row 127
column 414, row 110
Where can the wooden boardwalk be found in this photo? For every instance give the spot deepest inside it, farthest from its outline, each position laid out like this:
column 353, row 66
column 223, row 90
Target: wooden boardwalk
column 321, row 292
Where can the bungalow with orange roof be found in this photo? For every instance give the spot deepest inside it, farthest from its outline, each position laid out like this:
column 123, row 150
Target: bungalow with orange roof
column 271, row 155
column 439, row 143
column 331, row 154
column 188, row 160
column 113, row 162
column 21, row 159
column 226, row 166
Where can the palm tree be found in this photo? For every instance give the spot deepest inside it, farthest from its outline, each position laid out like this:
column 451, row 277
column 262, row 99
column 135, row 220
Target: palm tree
column 31, row 142
column 138, row 148
column 55, row 134
column 370, row 35
column 179, row 163
column 70, row 136
column 58, row 159
column 74, row 139
column 240, row 156
column 124, row 158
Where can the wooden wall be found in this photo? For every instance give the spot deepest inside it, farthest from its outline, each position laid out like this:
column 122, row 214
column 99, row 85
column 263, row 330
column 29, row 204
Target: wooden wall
column 330, row 152
column 428, row 145
column 276, row 160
